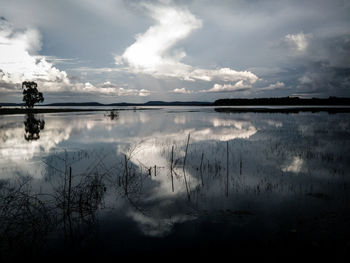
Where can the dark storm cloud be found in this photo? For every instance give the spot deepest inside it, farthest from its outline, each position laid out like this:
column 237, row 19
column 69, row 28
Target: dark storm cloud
column 324, row 67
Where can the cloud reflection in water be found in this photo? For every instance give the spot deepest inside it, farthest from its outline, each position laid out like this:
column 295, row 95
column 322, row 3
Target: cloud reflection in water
column 264, row 151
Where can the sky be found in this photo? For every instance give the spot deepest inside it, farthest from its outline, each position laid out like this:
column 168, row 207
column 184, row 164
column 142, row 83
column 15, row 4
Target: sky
column 137, row 51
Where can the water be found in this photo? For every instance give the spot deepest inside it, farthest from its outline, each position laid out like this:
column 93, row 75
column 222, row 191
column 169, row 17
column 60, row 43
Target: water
column 97, row 184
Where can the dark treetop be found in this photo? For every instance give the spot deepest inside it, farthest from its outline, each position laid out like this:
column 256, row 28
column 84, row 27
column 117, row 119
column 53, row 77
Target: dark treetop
column 31, row 95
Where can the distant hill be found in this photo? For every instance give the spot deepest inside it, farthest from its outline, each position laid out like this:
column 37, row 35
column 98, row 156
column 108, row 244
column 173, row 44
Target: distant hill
column 97, row 104
column 74, row 104
column 177, row 103
column 294, row 101
column 149, row 103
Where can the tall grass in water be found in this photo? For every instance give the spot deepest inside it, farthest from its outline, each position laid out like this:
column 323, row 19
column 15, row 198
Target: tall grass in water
column 77, row 198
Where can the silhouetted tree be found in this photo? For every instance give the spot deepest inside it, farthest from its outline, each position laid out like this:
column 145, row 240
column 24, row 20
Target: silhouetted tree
column 32, row 127
column 31, row 95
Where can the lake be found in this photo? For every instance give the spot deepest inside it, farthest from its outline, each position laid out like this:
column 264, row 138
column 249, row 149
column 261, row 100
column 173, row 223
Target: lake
column 164, row 181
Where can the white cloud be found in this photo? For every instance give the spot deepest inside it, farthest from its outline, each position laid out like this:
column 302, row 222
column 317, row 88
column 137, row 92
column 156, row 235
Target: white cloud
column 224, row 74
column 111, row 88
column 273, row 86
column 108, row 88
column 299, row 42
column 276, row 85
column 239, row 86
column 19, row 60
column 150, row 53
column 182, row 91
column 153, row 52
column 143, row 93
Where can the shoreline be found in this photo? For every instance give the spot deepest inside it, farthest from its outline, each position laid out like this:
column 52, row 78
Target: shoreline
column 11, row 111
column 236, row 109
column 287, row 110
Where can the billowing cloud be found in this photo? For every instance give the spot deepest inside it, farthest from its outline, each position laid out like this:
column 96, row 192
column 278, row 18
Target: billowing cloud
column 153, row 52
column 19, row 60
column 150, row 53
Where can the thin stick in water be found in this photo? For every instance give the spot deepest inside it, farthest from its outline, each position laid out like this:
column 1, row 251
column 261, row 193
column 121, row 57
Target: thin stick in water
column 240, row 166
column 187, row 190
column 227, row 172
column 201, row 169
column 171, row 168
column 69, row 187
column 126, row 175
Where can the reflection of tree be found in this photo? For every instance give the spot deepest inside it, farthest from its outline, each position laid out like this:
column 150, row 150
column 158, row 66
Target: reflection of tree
column 32, row 127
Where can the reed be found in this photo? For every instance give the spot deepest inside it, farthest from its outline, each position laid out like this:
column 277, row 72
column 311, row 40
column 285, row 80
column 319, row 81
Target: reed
column 184, row 171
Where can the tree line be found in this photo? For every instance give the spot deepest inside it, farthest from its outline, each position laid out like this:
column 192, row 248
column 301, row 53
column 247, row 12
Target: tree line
column 283, row 101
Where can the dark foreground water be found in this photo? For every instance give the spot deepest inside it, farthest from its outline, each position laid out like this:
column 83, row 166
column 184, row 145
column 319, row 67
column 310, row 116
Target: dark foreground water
column 162, row 183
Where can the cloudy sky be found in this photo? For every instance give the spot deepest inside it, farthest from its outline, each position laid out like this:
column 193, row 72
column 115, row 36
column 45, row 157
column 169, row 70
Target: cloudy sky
column 136, row 51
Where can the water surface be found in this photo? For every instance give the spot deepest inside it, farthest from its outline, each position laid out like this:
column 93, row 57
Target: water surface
column 173, row 179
